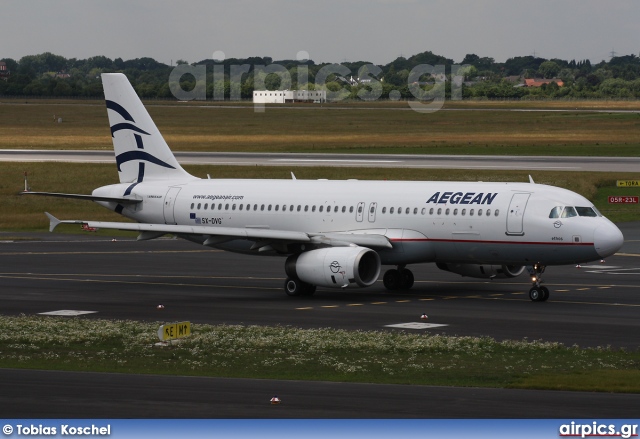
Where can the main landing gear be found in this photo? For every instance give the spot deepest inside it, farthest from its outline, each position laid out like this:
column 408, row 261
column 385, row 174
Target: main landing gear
column 538, row 293
column 295, row 287
column 398, row 279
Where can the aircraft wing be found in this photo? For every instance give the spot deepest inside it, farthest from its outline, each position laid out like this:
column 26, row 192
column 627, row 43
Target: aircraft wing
column 220, row 234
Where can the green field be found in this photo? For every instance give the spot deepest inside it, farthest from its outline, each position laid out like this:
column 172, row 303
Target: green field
column 25, row 213
column 314, row 354
column 378, row 127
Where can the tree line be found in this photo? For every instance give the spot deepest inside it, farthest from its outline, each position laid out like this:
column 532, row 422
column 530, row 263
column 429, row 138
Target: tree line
column 48, row 74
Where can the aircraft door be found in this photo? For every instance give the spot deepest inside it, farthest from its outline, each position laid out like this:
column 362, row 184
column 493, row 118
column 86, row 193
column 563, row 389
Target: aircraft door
column 169, row 205
column 372, row 212
column 515, row 214
column 360, row 212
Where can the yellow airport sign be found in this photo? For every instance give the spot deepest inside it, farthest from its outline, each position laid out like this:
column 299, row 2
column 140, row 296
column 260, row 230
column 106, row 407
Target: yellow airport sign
column 172, row 331
column 628, row 183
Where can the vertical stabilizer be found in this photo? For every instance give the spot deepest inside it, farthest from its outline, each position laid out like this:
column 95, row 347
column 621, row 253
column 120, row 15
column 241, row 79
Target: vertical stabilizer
column 141, row 152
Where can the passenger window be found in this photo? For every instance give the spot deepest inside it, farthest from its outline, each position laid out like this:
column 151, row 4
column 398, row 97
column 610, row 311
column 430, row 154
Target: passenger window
column 240, row 207
column 262, row 207
column 569, row 212
column 359, row 209
column 496, row 213
column 372, row 209
column 384, row 210
column 226, row 207
column 424, row 210
column 555, row 212
column 464, row 212
column 269, row 208
column 351, row 209
column 415, row 210
column 446, row 212
column 206, row 206
column 479, row 212
column 192, row 205
column 306, row 208
column 455, row 211
column 291, row 208
column 488, row 212
column 233, row 207
column 220, row 206
column 299, row 206
column 199, row 206
column 391, row 210
column 439, row 211
column 431, row 211
column 313, row 208
column 407, row 210
column 255, row 207
column 471, row 212
column 335, row 209
column 344, row 209
column 277, row 207
column 213, row 206
column 399, row 210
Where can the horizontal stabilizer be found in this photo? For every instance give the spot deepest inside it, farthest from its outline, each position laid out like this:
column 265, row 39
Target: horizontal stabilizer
column 84, row 197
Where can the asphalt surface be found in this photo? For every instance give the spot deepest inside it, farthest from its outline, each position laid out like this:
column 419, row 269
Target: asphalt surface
column 532, row 163
column 594, row 305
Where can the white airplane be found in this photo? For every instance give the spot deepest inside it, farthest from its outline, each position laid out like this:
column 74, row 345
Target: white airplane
column 339, row 233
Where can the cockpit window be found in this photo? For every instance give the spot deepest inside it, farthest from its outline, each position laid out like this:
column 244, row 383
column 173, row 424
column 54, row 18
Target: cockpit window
column 586, row 211
column 569, row 212
column 555, row 212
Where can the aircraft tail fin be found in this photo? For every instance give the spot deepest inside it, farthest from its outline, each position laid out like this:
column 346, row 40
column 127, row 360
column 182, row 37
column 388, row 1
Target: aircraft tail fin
column 141, row 152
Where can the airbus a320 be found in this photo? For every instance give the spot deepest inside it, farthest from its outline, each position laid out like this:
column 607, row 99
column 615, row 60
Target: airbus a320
column 339, row 234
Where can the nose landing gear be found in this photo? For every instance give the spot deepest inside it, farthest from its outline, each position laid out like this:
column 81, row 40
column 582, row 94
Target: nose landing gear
column 538, row 293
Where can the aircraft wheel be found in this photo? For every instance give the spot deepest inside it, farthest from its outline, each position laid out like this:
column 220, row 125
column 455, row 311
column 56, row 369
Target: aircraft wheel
column 293, row 287
column 406, row 279
column 536, row 294
column 392, row 279
column 545, row 294
column 308, row 289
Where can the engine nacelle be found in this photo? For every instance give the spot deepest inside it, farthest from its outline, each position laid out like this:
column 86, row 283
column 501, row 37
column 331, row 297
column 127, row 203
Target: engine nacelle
column 482, row 271
column 335, row 267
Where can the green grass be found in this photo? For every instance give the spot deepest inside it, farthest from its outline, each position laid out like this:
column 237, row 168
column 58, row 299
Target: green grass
column 81, row 344
column 25, row 213
column 383, row 129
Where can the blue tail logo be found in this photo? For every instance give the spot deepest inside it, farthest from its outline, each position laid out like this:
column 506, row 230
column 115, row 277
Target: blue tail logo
column 136, row 154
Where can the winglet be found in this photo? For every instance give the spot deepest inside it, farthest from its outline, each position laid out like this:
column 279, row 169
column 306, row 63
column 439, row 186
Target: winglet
column 53, row 221
column 531, row 180
column 293, row 177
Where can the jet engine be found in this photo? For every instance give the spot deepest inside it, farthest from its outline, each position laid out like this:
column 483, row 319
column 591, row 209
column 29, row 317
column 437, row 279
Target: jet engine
column 482, row 271
column 335, row 267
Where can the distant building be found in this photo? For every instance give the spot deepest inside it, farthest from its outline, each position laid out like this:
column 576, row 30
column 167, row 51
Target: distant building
column 4, row 72
column 288, row 96
column 537, row 82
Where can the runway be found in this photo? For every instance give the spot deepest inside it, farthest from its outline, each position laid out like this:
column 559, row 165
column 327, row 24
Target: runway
column 531, row 163
column 595, row 305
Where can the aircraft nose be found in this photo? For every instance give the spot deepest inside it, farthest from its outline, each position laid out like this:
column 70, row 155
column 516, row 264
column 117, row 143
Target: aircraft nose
column 607, row 240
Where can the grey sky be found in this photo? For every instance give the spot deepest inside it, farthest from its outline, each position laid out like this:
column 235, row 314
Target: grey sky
column 329, row 30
